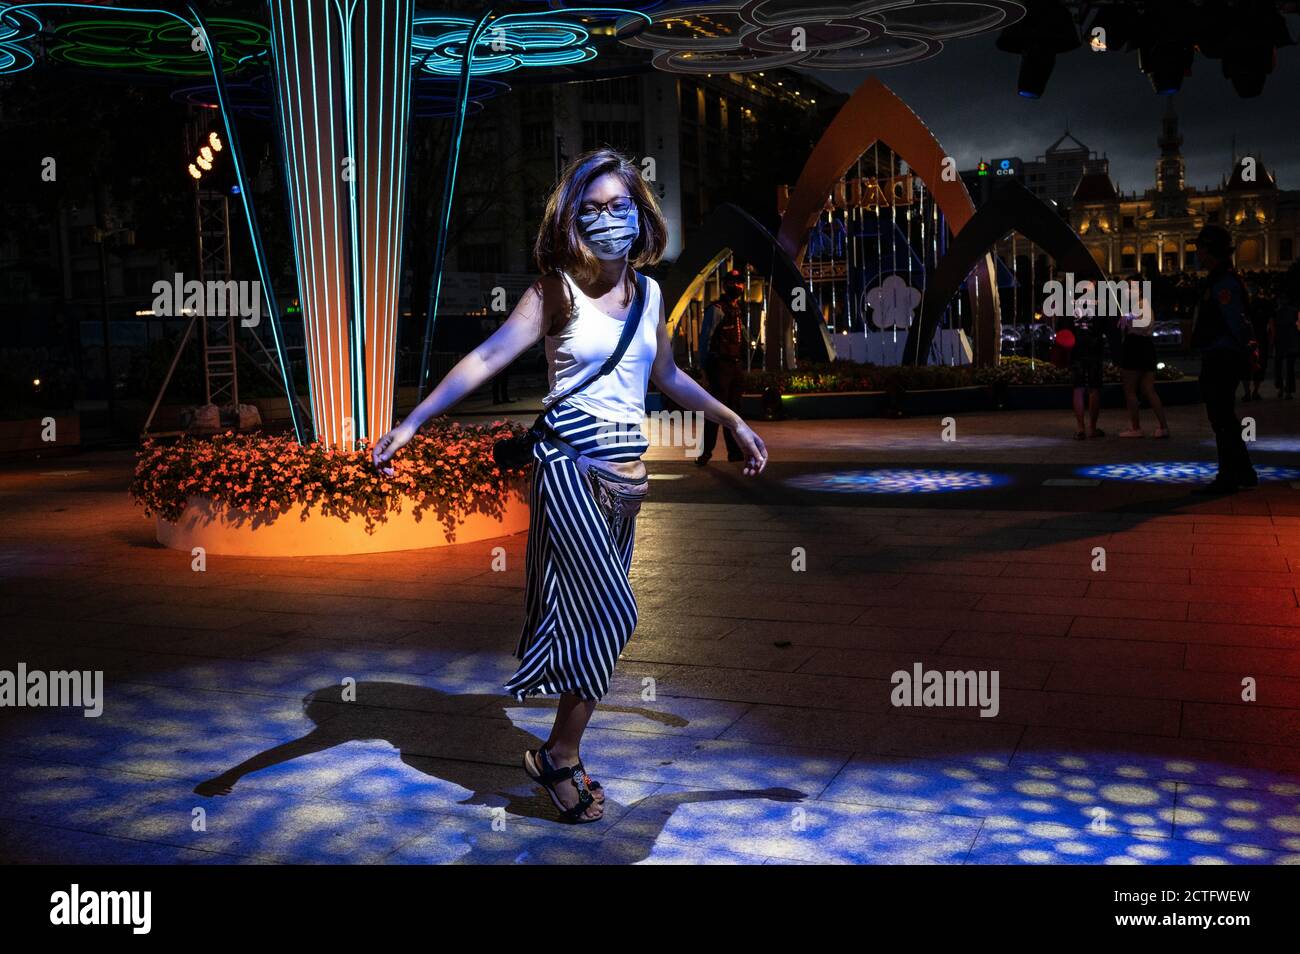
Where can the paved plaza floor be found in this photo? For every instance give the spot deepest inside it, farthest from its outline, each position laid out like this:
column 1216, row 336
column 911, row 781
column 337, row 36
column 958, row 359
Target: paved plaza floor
column 1146, row 713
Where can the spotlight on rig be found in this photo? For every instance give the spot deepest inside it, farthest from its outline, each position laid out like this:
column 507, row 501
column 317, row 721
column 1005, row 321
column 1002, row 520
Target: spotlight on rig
column 1047, row 30
column 1247, row 42
column 1166, row 61
column 1165, row 42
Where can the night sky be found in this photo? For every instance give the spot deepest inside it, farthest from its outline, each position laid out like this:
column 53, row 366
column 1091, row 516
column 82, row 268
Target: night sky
column 967, row 96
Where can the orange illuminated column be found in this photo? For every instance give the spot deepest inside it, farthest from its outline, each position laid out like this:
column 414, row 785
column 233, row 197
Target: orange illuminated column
column 343, row 80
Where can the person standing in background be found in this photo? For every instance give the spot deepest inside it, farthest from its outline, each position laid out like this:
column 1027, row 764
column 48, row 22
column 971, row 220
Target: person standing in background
column 1223, row 336
column 1260, row 314
column 1085, row 360
column 1285, row 333
column 1138, row 364
column 724, row 354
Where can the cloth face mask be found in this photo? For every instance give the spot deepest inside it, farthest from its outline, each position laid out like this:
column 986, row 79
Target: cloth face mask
column 608, row 236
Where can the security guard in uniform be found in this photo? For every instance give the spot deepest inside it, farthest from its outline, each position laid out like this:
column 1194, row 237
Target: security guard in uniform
column 1222, row 334
column 724, row 365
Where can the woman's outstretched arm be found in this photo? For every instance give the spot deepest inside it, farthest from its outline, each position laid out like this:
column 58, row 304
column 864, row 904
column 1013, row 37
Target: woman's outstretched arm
column 520, row 331
column 684, row 390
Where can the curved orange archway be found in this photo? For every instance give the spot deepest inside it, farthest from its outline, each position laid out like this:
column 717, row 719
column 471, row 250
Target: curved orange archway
column 874, row 113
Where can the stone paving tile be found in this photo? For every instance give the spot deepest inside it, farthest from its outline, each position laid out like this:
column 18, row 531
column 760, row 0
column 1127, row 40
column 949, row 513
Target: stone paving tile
column 1046, row 843
column 53, row 845
column 1013, row 673
column 755, row 632
column 1189, row 632
column 1121, row 654
column 821, row 728
column 1105, row 679
column 1239, row 659
column 1214, row 816
column 1240, row 723
column 777, row 824
column 987, row 788
column 1229, row 765
column 714, row 653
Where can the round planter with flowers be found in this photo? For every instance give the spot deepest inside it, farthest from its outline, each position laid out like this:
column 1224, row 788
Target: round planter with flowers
column 257, row 495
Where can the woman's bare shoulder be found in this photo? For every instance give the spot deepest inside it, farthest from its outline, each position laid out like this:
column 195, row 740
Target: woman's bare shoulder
column 556, row 301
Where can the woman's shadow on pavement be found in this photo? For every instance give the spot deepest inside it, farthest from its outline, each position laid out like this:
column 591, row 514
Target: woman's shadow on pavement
column 468, row 740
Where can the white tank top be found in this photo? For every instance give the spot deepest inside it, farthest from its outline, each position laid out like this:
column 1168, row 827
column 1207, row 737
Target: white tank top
column 586, row 342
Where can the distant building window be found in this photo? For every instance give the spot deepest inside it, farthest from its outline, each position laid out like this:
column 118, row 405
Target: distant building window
column 483, row 257
column 623, row 136
column 85, row 284
column 1285, row 250
column 713, row 110
column 625, row 91
column 539, row 138
column 1128, row 261
column 690, row 102
column 139, row 280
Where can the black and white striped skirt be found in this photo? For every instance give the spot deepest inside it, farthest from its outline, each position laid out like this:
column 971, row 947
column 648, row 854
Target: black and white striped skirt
column 580, row 610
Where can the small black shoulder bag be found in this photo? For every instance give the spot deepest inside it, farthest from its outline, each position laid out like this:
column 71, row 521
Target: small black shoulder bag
column 517, row 452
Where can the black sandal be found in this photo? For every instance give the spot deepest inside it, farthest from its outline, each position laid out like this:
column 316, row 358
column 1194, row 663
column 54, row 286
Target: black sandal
column 547, row 775
column 592, row 785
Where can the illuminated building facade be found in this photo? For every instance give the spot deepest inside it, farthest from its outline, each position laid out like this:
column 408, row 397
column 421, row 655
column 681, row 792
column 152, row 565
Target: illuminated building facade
column 1156, row 230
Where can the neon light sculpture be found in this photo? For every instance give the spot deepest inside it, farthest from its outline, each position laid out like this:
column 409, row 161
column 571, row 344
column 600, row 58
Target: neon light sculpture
column 152, row 46
column 742, row 36
column 343, row 79
column 343, row 86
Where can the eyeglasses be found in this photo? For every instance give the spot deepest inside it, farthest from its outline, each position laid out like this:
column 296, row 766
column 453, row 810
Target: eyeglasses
column 620, row 207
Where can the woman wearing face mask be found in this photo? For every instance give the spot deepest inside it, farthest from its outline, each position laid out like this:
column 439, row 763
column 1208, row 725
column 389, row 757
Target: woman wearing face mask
column 601, row 222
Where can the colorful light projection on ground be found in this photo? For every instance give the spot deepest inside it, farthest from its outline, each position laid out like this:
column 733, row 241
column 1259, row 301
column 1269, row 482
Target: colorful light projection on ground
column 1178, row 472
column 897, row 481
column 744, row 36
column 296, row 767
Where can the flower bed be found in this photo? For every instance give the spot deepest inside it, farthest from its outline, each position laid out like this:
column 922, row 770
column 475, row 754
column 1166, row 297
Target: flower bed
column 1015, row 370
column 839, row 376
column 248, row 482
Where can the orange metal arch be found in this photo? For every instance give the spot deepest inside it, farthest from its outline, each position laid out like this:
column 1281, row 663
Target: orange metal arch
column 874, row 113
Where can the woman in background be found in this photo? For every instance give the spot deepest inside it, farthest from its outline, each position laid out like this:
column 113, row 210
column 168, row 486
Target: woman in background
column 1138, row 362
column 1285, row 333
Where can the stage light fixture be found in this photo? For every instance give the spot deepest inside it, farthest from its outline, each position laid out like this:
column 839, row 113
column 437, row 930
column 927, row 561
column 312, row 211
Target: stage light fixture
column 1166, row 62
column 1249, row 46
column 1165, row 44
column 1048, row 29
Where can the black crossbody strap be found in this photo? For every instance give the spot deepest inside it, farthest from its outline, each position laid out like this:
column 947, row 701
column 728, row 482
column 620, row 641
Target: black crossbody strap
column 630, row 325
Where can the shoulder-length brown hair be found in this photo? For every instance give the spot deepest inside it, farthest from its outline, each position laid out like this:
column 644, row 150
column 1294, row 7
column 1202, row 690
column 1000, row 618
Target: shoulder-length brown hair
column 559, row 244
